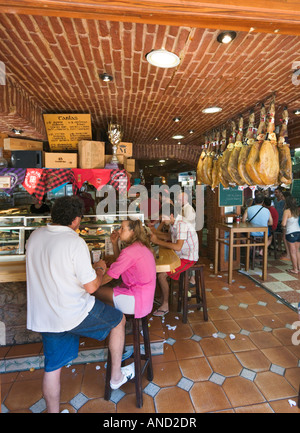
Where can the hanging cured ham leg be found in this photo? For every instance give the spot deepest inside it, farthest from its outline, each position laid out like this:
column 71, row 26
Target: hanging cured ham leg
column 215, row 168
column 225, row 160
column 234, row 157
column 255, row 148
column 248, row 142
column 285, row 161
column 224, row 182
column 207, row 164
column 267, row 163
column 201, row 162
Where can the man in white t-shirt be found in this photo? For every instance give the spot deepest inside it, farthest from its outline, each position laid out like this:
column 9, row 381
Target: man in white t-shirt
column 183, row 239
column 60, row 305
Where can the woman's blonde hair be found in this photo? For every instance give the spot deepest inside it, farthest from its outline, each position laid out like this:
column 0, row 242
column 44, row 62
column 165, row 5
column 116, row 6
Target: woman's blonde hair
column 139, row 234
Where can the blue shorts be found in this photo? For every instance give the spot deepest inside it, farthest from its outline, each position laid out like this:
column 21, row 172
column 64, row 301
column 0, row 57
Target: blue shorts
column 60, row 348
column 293, row 237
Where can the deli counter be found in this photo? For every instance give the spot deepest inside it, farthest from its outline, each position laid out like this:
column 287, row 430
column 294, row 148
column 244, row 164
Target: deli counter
column 16, row 229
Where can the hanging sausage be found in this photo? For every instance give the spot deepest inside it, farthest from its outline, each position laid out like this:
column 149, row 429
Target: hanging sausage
column 285, row 161
column 267, row 163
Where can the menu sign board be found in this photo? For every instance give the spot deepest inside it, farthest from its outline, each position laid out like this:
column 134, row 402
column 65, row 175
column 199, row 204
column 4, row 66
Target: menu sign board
column 230, row 196
column 296, row 190
column 65, row 130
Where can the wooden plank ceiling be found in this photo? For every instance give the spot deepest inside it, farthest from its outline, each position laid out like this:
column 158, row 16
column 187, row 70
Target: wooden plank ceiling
column 55, row 62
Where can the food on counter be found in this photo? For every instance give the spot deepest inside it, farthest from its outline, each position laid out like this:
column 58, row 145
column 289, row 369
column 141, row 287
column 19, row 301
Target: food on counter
column 13, row 211
column 100, row 231
column 9, row 248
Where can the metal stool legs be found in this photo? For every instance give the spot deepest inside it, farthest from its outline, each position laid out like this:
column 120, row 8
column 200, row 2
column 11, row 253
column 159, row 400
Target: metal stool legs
column 138, row 357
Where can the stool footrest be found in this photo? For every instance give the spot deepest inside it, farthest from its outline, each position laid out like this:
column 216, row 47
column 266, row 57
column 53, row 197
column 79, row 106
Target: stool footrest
column 184, row 289
column 138, row 357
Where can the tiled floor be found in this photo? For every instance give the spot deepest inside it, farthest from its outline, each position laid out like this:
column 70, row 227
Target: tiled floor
column 279, row 281
column 241, row 360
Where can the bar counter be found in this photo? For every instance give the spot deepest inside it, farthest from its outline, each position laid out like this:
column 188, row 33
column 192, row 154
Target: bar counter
column 16, row 270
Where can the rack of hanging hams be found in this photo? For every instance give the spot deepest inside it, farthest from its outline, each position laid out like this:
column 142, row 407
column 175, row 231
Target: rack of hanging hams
column 254, row 158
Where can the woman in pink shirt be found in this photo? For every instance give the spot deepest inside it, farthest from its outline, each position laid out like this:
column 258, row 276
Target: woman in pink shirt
column 136, row 265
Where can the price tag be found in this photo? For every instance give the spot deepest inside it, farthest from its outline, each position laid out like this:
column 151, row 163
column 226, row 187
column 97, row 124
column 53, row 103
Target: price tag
column 5, row 182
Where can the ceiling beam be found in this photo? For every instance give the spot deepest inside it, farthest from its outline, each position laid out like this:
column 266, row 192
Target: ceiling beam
column 266, row 16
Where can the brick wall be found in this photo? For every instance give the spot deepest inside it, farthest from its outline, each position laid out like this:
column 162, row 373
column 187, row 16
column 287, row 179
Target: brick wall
column 18, row 110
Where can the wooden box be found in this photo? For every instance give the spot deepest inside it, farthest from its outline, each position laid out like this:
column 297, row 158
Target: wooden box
column 60, row 160
column 21, row 144
column 124, row 149
column 91, row 154
column 130, row 165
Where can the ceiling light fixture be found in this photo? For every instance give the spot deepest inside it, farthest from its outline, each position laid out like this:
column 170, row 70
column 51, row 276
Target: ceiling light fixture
column 106, row 77
column 162, row 58
column 177, row 119
column 210, row 110
column 178, row 137
column 162, row 160
column 17, row 131
column 191, row 131
column 226, row 37
column 297, row 112
column 156, row 138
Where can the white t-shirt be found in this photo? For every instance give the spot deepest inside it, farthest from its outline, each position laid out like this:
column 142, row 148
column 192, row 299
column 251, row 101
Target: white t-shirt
column 185, row 231
column 58, row 263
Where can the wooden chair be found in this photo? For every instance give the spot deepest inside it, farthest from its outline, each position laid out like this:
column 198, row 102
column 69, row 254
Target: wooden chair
column 138, row 357
column 200, row 295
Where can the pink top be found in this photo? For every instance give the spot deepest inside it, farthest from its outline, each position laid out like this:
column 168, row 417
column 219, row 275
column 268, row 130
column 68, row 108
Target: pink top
column 136, row 265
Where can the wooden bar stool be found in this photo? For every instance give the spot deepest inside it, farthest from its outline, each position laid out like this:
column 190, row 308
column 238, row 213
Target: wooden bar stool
column 199, row 295
column 255, row 239
column 138, row 357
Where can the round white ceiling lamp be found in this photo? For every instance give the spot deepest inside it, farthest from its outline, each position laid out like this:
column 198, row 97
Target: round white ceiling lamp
column 106, row 77
column 178, row 137
column 162, row 58
column 210, row 110
column 226, row 37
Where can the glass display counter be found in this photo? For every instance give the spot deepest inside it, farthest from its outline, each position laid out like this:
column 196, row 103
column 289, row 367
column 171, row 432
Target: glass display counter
column 94, row 229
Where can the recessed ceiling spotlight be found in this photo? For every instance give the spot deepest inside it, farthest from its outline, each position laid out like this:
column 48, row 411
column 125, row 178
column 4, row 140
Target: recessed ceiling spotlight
column 177, row 119
column 162, row 58
column 178, row 137
column 297, row 112
column 106, row 77
column 212, row 110
column 17, row 131
column 226, row 37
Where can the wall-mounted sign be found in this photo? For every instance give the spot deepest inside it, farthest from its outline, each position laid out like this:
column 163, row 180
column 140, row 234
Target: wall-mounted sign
column 65, row 130
column 230, row 196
